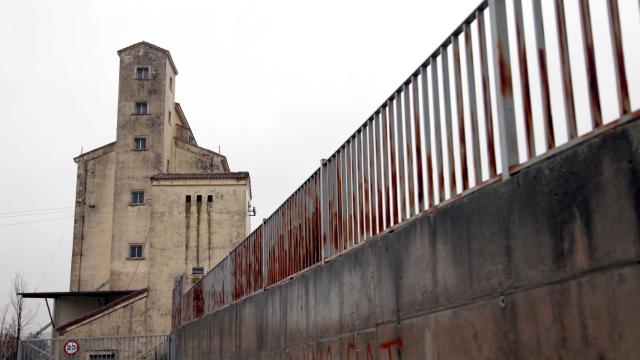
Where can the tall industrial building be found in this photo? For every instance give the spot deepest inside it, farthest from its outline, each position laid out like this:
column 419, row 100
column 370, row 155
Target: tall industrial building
column 150, row 206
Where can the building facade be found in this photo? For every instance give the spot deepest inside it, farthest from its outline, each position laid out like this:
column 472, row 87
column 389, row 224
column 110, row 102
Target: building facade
column 150, row 206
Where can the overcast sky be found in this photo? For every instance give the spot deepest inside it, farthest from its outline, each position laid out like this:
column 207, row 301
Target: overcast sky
column 277, row 85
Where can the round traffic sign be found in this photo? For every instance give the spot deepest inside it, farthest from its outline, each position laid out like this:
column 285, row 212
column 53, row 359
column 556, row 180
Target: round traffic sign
column 71, row 347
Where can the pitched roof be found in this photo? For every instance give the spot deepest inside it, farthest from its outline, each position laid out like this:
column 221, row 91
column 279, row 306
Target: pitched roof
column 239, row 175
column 156, row 47
column 96, row 152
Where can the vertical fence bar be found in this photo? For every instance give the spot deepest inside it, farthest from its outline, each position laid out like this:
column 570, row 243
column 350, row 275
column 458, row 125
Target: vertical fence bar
column 349, row 195
column 270, row 263
column 392, row 161
column 524, row 79
column 353, row 156
column 427, row 135
column 411, row 203
column 313, row 216
column 590, row 63
column 486, row 94
column 341, row 197
column 379, row 165
column 296, row 231
column 618, row 57
column 372, row 177
column 365, row 181
column 265, row 251
column 283, row 240
column 301, row 227
column 448, row 122
column 318, row 211
column 275, row 245
column 338, row 240
column 502, row 74
column 286, row 232
column 305, row 224
column 565, row 64
column 291, row 243
column 437, row 128
column 402, row 186
column 360, row 188
column 324, row 210
column 541, row 47
column 345, row 197
column 386, row 167
column 460, row 110
column 473, row 108
column 418, row 142
column 327, row 246
column 334, row 204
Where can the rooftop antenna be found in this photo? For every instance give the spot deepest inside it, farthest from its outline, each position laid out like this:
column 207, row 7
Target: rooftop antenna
column 81, row 148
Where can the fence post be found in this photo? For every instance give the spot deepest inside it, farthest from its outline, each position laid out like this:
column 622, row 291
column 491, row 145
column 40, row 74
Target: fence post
column 504, row 87
column 265, row 252
column 324, row 211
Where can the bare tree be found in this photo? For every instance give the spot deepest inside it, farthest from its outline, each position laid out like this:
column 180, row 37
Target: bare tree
column 15, row 319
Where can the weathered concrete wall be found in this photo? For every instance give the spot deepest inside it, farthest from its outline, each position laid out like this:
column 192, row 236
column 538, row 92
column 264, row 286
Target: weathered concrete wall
column 131, row 222
column 125, row 319
column 544, row 265
column 193, row 159
column 93, row 219
column 73, row 307
column 190, row 234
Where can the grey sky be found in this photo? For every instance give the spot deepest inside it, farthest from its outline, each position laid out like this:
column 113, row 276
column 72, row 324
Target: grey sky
column 278, row 85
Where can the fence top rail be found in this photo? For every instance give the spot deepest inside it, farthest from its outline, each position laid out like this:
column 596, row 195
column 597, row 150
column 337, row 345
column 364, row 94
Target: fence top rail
column 95, row 337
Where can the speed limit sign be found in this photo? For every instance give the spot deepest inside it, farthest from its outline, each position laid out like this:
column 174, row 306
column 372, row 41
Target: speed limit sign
column 71, row 347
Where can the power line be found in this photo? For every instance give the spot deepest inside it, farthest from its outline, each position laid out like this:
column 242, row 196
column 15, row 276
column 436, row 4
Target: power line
column 139, row 261
column 36, row 214
column 33, row 210
column 46, row 269
column 35, row 221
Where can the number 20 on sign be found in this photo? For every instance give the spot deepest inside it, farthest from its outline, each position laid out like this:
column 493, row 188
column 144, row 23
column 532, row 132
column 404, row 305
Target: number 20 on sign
column 71, row 347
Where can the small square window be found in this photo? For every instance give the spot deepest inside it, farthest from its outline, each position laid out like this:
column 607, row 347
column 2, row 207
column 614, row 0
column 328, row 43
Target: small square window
column 142, row 72
column 198, row 198
column 135, row 251
column 137, row 197
column 139, row 143
column 209, row 198
column 141, row 107
column 188, row 198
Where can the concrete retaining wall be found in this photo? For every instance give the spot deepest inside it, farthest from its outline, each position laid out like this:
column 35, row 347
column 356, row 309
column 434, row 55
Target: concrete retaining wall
column 544, row 265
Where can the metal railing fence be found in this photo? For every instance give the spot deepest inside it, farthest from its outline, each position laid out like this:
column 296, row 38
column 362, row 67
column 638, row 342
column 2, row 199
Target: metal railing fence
column 465, row 117
column 148, row 347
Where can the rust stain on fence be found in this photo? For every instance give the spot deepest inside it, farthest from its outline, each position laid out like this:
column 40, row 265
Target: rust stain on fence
column 364, row 188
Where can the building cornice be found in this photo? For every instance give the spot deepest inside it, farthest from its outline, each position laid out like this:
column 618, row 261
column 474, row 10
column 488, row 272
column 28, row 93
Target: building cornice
column 239, row 175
